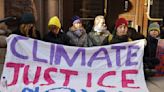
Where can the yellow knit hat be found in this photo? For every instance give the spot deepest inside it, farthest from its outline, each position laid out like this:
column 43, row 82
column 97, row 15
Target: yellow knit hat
column 54, row 21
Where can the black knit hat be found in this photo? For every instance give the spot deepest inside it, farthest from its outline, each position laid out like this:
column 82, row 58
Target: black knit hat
column 76, row 19
column 27, row 18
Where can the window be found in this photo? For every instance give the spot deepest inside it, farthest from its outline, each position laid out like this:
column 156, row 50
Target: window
column 156, row 8
column 88, row 8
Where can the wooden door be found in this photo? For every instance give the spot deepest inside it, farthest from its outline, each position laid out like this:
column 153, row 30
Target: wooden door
column 134, row 12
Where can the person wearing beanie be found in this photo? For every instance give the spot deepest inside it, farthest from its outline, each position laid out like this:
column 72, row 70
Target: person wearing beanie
column 77, row 34
column 54, row 21
column 27, row 26
column 99, row 33
column 120, row 33
column 150, row 60
column 76, row 19
column 4, row 33
column 154, row 29
column 55, row 34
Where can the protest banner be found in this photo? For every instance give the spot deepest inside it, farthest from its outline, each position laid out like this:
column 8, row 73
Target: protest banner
column 2, row 89
column 36, row 66
column 3, row 86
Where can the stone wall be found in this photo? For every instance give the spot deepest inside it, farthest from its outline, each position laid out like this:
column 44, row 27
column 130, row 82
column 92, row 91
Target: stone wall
column 18, row 7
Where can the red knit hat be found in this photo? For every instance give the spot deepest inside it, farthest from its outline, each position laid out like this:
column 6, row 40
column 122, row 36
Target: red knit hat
column 121, row 21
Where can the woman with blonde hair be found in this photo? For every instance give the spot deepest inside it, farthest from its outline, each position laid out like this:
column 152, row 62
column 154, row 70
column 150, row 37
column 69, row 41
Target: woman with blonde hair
column 99, row 34
column 27, row 26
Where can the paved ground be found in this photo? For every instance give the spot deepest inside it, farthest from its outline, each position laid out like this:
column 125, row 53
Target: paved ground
column 156, row 84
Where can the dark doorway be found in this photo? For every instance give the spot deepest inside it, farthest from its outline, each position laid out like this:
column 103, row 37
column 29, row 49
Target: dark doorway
column 86, row 9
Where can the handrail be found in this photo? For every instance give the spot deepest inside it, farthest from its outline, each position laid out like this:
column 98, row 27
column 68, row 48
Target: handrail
column 105, row 7
column 87, row 18
column 148, row 14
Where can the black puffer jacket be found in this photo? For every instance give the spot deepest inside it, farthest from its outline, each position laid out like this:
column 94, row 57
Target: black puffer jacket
column 119, row 39
column 30, row 34
column 60, row 38
column 150, row 59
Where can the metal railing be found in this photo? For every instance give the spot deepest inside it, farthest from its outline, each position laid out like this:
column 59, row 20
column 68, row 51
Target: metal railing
column 148, row 13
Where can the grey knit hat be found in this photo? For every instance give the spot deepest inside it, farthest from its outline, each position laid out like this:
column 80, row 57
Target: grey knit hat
column 154, row 26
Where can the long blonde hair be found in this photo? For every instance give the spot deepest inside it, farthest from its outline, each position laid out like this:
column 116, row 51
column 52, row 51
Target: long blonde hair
column 25, row 28
column 97, row 19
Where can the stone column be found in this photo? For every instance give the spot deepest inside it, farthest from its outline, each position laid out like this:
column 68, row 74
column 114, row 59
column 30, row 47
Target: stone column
column 1, row 9
column 53, row 8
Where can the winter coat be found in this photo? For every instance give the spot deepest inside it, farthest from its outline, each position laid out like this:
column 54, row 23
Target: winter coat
column 18, row 32
column 98, row 39
column 112, row 39
column 134, row 35
column 77, row 37
column 60, row 38
column 150, row 59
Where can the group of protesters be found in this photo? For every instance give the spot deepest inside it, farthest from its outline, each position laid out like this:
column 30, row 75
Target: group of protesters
column 76, row 35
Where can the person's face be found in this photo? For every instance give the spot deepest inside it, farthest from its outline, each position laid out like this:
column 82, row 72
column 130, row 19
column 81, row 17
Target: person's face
column 122, row 30
column 101, row 24
column 77, row 25
column 54, row 29
column 154, row 33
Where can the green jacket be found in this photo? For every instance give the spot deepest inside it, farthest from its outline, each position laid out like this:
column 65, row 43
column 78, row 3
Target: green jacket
column 98, row 39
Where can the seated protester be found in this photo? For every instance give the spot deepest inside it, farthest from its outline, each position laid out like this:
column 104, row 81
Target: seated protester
column 55, row 34
column 150, row 60
column 120, row 32
column 27, row 26
column 134, row 35
column 99, row 34
column 77, row 34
